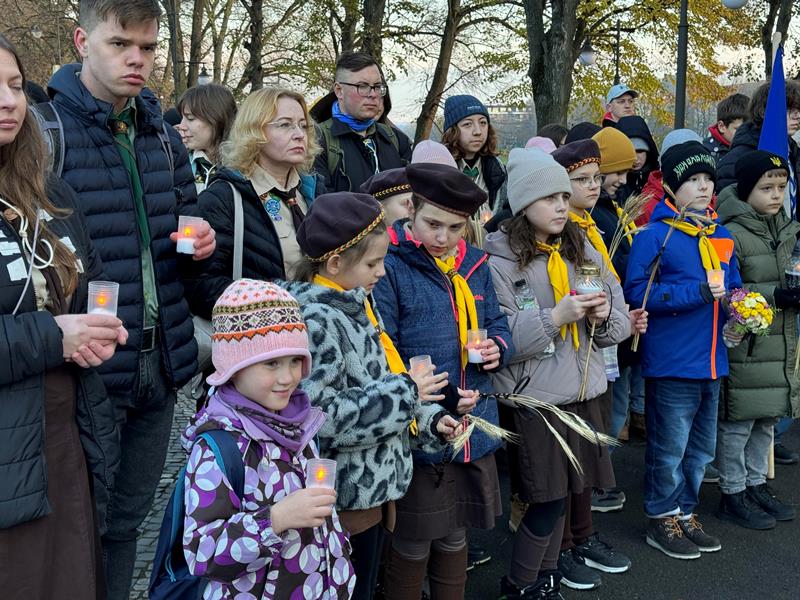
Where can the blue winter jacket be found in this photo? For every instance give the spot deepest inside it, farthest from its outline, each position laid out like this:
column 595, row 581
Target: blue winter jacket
column 684, row 333
column 94, row 169
column 416, row 302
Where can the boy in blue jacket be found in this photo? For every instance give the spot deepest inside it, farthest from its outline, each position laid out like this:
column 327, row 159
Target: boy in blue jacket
column 683, row 353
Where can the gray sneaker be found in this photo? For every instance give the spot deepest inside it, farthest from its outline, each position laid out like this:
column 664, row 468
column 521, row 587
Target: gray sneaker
column 574, row 572
column 667, row 535
column 607, row 500
column 601, row 556
column 711, row 474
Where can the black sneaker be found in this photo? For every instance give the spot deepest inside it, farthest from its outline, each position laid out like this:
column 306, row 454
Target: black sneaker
column 784, row 456
column 608, row 500
column 766, row 499
column 711, row 474
column 476, row 555
column 667, row 535
column 599, row 555
column 694, row 531
column 745, row 512
column 547, row 587
column 574, row 572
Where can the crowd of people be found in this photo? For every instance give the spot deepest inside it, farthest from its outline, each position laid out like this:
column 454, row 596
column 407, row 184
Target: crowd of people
column 327, row 307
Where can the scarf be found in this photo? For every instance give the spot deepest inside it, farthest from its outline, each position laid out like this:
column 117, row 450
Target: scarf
column 465, row 302
column 630, row 228
column 708, row 254
column 393, row 359
column 595, row 239
column 351, row 122
column 559, row 279
column 291, row 429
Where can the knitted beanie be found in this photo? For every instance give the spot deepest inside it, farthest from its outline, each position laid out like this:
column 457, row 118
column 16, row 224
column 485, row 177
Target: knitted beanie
column 751, row 166
column 679, row 136
column 582, row 131
column 252, row 322
column 543, row 143
column 461, row 107
column 533, row 175
column 616, row 150
column 428, row 151
column 680, row 162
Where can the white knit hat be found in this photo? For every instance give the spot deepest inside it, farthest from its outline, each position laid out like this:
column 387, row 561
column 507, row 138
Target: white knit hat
column 428, row 151
column 533, row 175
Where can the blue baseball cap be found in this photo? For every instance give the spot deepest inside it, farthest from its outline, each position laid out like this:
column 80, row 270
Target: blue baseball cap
column 620, row 90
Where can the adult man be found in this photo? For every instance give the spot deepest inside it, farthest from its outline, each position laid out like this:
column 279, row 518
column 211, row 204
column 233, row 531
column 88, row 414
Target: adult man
column 132, row 175
column 355, row 145
column 620, row 102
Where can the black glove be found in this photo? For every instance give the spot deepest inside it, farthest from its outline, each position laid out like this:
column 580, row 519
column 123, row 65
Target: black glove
column 786, row 298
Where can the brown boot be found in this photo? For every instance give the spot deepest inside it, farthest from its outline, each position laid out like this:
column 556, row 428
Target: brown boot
column 403, row 577
column 447, row 572
column 638, row 426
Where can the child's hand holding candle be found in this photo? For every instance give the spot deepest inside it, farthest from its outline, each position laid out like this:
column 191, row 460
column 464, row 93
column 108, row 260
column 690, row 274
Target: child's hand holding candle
column 716, row 282
column 421, row 370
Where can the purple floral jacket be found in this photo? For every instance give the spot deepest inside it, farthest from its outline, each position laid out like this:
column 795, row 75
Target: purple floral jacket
column 232, row 543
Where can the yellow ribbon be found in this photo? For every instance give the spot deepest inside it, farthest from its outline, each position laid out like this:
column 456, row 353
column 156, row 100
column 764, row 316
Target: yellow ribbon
column 708, row 254
column 559, row 279
column 630, row 228
column 392, row 355
column 465, row 303
column 595, row 239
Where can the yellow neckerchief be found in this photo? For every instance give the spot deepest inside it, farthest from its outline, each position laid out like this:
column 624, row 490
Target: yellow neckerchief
column 708, row 254
column 586, row 222
column 392, row 355
column 630, row 228
column 465, row 302
column 559, row 279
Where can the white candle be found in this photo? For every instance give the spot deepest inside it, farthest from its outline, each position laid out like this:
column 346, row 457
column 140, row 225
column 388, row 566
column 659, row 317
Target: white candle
column 474, row 355
column 186, row 245
column 187, row 233
column 103, row 298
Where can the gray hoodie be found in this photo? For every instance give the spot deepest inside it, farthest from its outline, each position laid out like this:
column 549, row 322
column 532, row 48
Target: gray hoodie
column 555, row 379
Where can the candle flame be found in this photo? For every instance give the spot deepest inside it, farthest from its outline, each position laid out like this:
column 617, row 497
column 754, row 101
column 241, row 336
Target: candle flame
column 187, row 231
column 320, row 474
column 101, row 299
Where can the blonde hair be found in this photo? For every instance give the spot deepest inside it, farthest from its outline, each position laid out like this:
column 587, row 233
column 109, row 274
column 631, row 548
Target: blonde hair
column 249, row 131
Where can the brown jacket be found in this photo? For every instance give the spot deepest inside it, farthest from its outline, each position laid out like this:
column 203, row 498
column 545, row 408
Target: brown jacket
column 555, row 379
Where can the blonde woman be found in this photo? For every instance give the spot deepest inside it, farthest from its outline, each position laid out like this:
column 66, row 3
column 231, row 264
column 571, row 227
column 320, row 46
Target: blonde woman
column 267, row 158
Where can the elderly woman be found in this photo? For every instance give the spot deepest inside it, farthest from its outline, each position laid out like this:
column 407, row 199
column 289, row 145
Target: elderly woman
column 59, row 432
column 266, row 160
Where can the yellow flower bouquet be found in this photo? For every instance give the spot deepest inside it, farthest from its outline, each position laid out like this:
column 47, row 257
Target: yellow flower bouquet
column 749, row 312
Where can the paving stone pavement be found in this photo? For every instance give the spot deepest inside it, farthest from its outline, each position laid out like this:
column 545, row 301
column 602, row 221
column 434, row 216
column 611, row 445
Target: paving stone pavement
column 176, row 458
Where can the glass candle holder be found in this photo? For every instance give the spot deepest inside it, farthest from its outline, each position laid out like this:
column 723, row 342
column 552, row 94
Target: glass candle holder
column 475, row 337
column 588, row 280
column 715, row 276
column 103, row 296
column 187, row 233
column 420, row 364
column 321, row 473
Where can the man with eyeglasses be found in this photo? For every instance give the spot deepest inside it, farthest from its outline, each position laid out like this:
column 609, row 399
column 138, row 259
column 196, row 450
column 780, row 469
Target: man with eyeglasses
column 355, row 144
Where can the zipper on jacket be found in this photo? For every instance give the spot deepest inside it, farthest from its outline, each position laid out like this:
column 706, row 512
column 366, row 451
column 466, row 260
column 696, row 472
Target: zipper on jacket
column 714, row 341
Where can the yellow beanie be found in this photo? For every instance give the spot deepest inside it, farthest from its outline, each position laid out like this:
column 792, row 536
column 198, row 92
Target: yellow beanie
column 616, row 150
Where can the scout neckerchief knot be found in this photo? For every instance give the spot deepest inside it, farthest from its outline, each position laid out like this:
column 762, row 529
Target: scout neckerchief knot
column 472, row 172
column 392, row 355
column 559, row 280
column 708, row 254
column 465, row 303
column 587, row 223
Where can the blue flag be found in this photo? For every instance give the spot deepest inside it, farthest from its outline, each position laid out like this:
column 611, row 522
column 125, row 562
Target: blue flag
column 774, row 134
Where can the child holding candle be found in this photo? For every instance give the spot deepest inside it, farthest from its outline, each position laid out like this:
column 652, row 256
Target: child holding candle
column 683, row 353
column 377, row 411
column 282, row 535
column 761, row 386
column 540, row 248
column 437, row 287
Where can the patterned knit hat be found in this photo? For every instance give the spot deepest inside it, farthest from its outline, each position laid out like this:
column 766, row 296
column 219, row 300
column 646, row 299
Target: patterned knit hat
column 254, row 321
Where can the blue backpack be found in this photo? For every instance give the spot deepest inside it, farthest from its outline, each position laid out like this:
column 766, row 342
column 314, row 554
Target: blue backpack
column 171, row 579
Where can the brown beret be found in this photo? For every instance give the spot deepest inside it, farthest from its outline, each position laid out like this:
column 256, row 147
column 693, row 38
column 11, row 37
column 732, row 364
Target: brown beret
column 576, row 154
column 386, row 184
column 446, row 187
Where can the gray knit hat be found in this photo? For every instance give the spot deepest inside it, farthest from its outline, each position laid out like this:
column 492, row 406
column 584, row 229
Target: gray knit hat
column 533, row 175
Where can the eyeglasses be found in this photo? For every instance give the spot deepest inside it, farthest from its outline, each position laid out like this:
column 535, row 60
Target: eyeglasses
column 364, row 89
column 588, row 182
column 290, row 126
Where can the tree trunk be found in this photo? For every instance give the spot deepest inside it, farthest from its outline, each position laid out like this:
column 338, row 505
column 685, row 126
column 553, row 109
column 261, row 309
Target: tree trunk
column 219, row 41
column 195, row 41
column 348, row 25
column 434, row 96
column 253, row 73
column 176, row 47
column 780, row 12
column 552, row 57
column 371, row 40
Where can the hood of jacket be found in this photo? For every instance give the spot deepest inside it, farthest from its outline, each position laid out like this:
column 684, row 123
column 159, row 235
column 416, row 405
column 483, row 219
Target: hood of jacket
column 731, row 209
column 408, row 250
column 747, row 135
column 635, row 126
column 496, row 244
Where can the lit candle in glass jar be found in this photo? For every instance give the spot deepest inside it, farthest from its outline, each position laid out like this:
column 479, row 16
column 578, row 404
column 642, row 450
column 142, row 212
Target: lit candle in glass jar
column 103, row 297
column 715, row 276
column 187, row 233
column 475, row 337
column 321, row 473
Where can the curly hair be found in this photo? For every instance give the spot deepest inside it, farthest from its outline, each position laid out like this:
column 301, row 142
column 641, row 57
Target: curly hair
column 451, row 136
column 214, row 104
column 522, row 240
column 249, row 131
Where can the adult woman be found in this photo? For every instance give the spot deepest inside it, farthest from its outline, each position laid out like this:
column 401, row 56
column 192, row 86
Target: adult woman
column 207, row 113
column 270, row 149
column 55, row 417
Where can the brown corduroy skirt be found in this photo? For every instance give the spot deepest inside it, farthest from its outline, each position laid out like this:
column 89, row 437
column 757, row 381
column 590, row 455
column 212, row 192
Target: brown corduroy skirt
column 442, row 498
column 545, row 472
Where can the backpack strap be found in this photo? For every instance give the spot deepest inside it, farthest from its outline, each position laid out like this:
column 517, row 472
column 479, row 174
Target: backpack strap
column 389, row 133
column 166, row 144
column 52, row 129
column 238, row 232
column 227, row 455
column 333, row 150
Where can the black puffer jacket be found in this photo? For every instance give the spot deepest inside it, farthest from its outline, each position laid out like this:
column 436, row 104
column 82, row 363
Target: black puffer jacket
column 745, row 140
column 262, row 257
column 635, row 126
column 32, row 346
column 494, row 174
